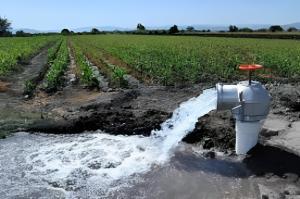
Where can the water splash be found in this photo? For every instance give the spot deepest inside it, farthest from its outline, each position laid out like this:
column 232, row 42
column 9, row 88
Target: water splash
column 96, row 162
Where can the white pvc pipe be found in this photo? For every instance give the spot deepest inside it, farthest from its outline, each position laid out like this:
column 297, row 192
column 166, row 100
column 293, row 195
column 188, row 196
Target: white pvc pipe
column 246, row 136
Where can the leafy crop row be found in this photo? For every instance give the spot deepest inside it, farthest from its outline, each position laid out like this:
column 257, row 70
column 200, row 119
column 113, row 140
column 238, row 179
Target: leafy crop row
column 86, row 72
column 15, row 50
column 57, row 68
column 173, row 60
column 31, row 84
column 115, row 73
column 52, row 52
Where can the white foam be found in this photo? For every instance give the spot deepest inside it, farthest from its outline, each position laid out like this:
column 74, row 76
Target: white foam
column 100, row 160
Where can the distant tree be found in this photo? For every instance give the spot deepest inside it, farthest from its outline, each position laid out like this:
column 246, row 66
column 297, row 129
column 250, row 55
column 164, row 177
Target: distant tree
column 65, row 32
column 21, row 33
column 246, row 30
column 95, row 31
column 4, row 27
column 208, row 30
column 292, row 29
column 276, row 28
column 233, row 28
column 173, row 29
column 190, row 28
column 262, row 30
column 140, row 27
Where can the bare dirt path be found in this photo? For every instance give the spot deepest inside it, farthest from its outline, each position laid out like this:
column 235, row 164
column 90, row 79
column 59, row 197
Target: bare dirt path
column 13, row 84
column 11, row 93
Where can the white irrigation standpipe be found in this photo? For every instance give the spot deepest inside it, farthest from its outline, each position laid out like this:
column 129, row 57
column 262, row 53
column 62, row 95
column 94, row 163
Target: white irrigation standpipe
column 250, row 103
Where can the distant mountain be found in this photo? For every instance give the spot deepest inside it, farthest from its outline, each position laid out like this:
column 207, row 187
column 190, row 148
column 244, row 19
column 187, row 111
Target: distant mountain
column 296, row 25
column 27, row 30
column 101, row 28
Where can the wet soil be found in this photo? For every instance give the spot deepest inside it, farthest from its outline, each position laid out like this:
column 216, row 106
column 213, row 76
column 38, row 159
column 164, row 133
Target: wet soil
column 12, row 101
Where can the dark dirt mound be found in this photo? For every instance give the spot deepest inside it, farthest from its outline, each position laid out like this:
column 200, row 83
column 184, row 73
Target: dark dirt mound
column 289, row 96
column 214, row 130
column 130, row 112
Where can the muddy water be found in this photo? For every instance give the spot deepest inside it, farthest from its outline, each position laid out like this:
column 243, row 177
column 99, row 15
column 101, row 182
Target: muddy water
column 104, row 166
column 96, row 164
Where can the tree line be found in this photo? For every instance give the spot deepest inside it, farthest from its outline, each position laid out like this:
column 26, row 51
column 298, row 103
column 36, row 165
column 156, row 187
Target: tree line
column 141, row 29
column 5, row 30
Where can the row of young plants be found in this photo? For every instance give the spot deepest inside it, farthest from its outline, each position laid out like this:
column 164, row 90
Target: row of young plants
column 20, row 50
column 31, row 84
column 54, row 76
column 52, row 52
column 84, row 68
column 173, row 60
column 114, row 73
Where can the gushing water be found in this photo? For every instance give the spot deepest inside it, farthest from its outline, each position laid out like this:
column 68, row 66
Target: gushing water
column 97, row 163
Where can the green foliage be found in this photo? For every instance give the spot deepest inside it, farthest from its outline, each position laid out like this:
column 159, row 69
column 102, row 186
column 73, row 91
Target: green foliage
column 245, row 30
column 173, row 60
column 292, row 29
column 21, row 33
column 95, row 31
column 190, row 28
column 233, row 28
column 140, row 27
column 174, row 29
column 57, row 68
column 276, row 28
column 29, row 87
column 118, row 76
column 86, row 72
column 4, row 26
column 13, row 50
column 65, row 32
column 53, row 51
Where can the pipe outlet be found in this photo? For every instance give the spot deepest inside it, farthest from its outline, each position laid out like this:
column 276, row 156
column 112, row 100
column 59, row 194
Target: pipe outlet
column 250, row 104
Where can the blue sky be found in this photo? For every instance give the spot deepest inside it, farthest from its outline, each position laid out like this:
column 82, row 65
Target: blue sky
column 57, row 14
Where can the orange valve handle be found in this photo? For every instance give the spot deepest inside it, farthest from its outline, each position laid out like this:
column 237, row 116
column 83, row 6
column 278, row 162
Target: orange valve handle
column 250, row 67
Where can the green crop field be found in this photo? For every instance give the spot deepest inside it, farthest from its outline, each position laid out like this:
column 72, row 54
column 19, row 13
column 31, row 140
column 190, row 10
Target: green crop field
column 15, row 50
column 180, row 59
column 165, row 60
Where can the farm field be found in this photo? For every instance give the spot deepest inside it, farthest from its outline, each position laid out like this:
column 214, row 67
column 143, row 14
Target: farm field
column 158, row 60
column 169, row 60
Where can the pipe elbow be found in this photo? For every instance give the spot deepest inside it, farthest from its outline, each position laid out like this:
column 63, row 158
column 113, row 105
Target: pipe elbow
column 227, row 96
